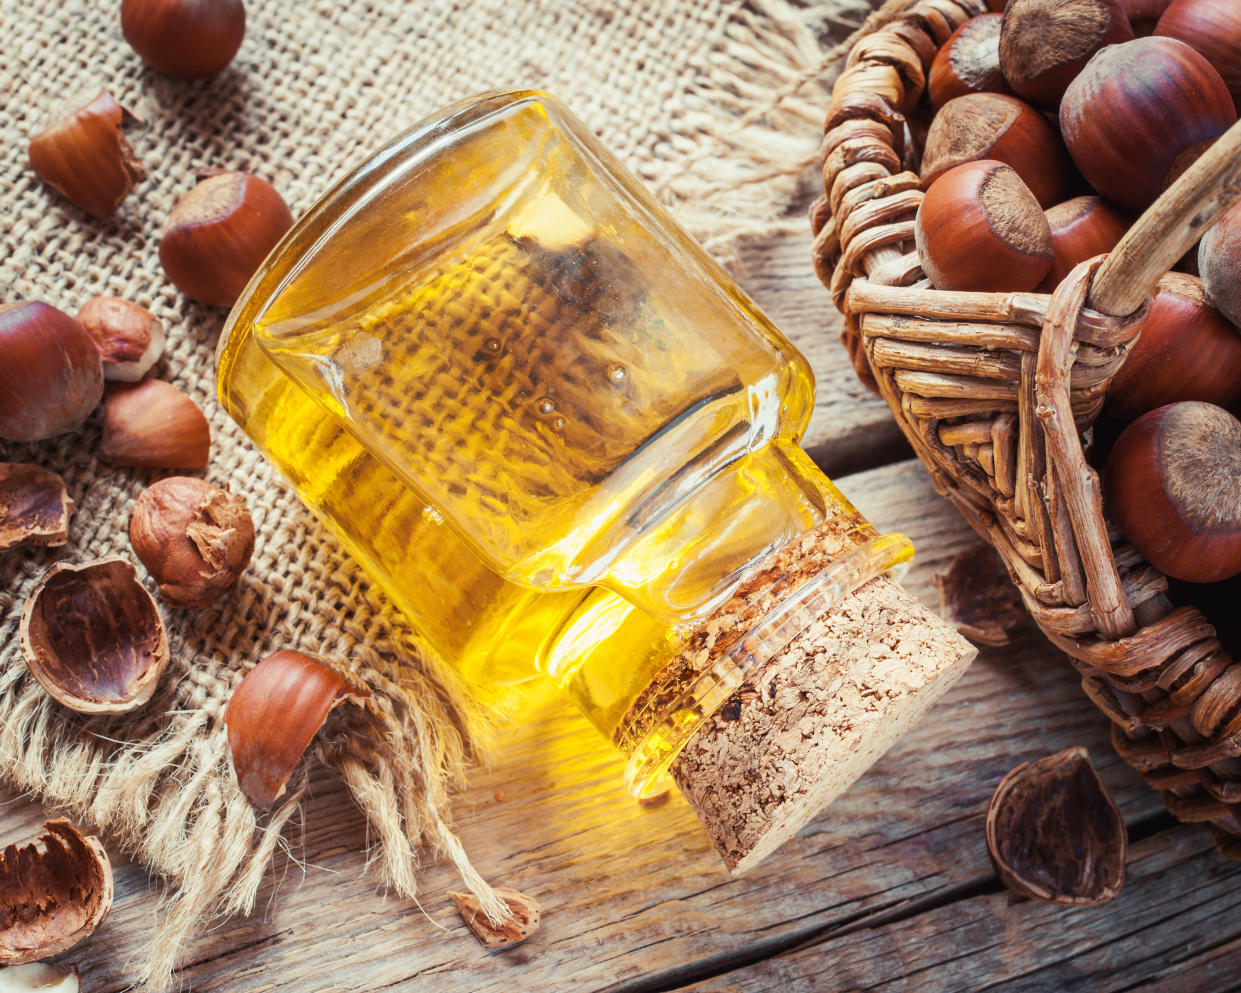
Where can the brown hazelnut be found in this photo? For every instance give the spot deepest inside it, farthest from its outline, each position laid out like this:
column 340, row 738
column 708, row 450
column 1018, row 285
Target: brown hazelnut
column 54, row 892
column 186, row 39
column 129, row 337
column 219, row 233
column 194, row 538
column 93, row 637
column 1045, row 43
column 1144, row 14
column 1212, row 28
column 1219, row 261
column 274, row 713
column 999, row 127
column 1173, row 487
column 34, row 507
column 1081, row 228
column 1055, row 833
column 968, row 62
column 1185, row 351
column 980, row 228
column 1141, row 113
column 51, row 376
column 84, row 157
column 153, row 425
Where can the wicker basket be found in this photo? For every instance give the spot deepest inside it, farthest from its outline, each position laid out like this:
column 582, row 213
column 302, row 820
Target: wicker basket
column 997, row 394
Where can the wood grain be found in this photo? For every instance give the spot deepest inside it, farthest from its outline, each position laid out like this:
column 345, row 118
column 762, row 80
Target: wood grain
column 634, row 898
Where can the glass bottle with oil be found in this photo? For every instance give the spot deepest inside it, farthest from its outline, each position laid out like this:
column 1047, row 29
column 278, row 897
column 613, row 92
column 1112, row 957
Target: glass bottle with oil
column 547, row 424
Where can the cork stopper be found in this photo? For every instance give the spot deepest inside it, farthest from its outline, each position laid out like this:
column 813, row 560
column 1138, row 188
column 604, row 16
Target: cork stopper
column 811, row 719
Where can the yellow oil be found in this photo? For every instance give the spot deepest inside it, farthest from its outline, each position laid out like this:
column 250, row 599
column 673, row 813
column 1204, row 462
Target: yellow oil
column 550, row 454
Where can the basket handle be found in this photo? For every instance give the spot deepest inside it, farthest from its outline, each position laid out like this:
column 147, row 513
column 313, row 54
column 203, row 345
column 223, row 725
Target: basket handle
column 1169, row 228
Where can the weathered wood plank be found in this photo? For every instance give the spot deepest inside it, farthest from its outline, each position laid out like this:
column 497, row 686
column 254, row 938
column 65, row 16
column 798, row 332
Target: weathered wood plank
column 1174, row 926
column 633, row 894
column 851, row 428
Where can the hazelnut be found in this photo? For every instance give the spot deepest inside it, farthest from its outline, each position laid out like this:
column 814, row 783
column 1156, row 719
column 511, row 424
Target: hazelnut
column 1173, row 487
column 194, row 538
column 1045, row 43
column 1143, row 14
column 34, row 507
column 1185, row 351
column 1081, row 228
column 1055, row 833
column 153, row 425
column 84, row 157
column 186, row 39
column 274, row 713
column 1219, row 261
column 130, row 338
column 968, row 62
column 1212, row 28
column 1139, row 114
column 93, row 637
column 51, row 376
column 980, row 228
column 54, row 892
column 219, row 233
column 999, row 127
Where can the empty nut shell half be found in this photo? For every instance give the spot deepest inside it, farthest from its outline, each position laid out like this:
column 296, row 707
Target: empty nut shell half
column 54, row 892
column 1055, row 833
column 93, row 637
column 34, row 507
column 524, row 916
column 274, row 714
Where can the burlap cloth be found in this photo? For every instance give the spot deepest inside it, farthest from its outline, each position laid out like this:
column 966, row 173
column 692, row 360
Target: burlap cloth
column 716, row 104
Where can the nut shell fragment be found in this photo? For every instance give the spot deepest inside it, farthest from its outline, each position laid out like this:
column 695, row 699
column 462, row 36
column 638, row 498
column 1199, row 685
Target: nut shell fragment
column 153, row 425
column 93, row 637
column 274, row 713
column 54, row 892
column 83, row 155
column 979, row 597
column 1055, row 833
column 526, row 914
column 195, row 539
column 34, row 507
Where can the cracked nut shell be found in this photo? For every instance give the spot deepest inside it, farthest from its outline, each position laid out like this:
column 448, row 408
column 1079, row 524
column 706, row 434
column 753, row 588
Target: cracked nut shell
column 274, row 714
column 34, row 507
column 93, row 637
column 524, row 917
column 84, row 157
column 54, row 892
column 153, row 425
column 194, row 538
column 1055, row 833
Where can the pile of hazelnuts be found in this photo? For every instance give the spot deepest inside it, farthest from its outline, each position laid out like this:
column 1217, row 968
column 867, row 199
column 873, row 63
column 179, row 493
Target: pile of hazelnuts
column 1057, row 122
column 194, row 538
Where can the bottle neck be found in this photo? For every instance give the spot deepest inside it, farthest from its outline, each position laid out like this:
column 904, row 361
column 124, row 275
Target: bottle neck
column 777, row 600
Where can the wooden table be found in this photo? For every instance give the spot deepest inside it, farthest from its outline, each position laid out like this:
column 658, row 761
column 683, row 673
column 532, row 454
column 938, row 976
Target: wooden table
column 889, row 889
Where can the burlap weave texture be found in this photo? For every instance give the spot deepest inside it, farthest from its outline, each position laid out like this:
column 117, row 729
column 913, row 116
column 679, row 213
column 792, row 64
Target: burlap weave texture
column 714, row 103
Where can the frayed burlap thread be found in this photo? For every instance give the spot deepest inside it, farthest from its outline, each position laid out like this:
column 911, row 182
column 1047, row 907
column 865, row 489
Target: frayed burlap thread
column 712, row 102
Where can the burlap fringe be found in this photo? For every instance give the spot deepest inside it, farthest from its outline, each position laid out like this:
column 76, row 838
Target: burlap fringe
column 769, row 75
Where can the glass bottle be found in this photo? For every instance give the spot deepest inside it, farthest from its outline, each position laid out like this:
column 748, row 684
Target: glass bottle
column 552, row 429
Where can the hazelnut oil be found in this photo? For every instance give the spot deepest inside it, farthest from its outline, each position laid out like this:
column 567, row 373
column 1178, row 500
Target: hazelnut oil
column 552, row 430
